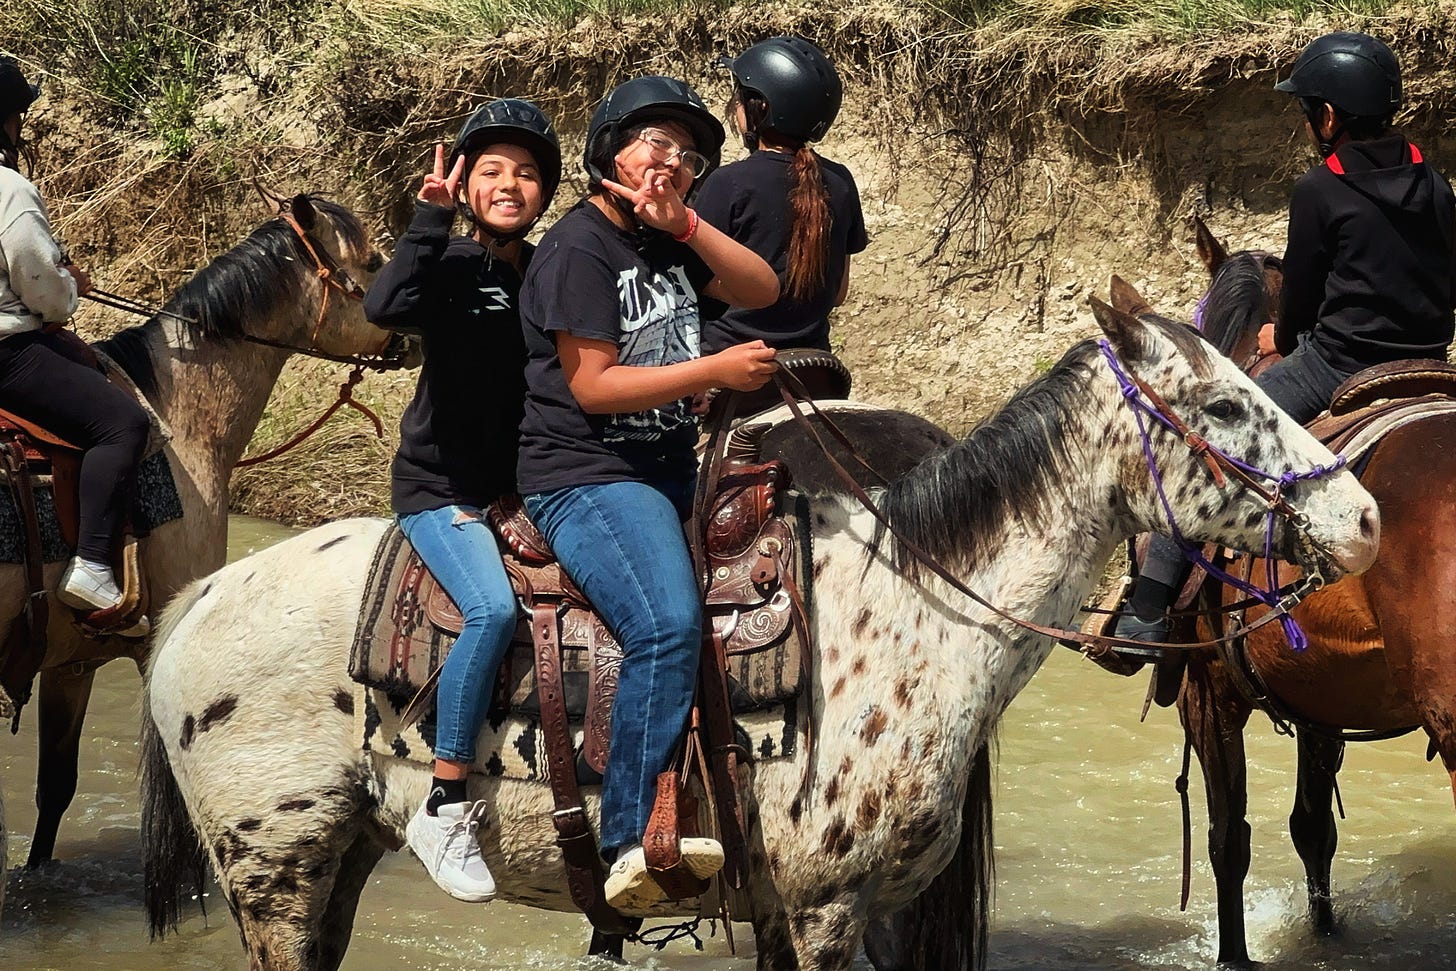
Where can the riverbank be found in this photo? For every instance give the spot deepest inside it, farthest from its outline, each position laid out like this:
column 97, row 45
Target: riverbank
column 1010, row 155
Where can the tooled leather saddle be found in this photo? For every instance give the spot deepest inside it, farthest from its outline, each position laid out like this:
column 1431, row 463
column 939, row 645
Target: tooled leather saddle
column 565, row 662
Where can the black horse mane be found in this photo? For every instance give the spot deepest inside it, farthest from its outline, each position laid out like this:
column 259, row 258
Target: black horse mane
column 954, row 503
column 1236, row 300
column 253, row 279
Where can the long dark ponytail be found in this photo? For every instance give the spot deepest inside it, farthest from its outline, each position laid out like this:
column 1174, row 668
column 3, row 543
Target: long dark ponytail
column 809, row 213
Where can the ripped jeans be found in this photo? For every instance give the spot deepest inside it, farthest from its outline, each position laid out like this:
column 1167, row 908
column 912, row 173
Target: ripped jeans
column 457, row 544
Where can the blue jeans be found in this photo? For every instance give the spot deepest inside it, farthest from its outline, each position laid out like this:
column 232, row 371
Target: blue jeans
column 1303, row 383
column 457, row 544
column 623, row 545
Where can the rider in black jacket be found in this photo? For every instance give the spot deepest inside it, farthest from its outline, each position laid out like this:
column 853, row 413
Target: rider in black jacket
column 1368, row 271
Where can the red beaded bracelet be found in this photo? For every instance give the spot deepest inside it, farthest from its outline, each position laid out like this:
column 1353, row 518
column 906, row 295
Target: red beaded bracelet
column 692, row 229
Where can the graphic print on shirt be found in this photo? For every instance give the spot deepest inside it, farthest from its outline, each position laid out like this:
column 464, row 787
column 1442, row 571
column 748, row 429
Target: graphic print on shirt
column 660, row 325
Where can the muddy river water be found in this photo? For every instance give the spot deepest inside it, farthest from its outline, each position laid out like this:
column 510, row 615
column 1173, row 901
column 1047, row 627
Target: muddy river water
column 1087, row 831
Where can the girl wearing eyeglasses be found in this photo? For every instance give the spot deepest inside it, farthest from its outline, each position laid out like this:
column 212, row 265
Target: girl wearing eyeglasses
column 790, row 205
column 610, row 311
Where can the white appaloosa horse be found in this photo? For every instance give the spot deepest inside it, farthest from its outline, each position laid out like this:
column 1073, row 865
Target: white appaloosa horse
column 250, row 736
column 254, row 305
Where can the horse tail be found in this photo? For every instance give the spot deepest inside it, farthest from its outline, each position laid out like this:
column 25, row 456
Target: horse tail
column 174, row 857
column 950, row 922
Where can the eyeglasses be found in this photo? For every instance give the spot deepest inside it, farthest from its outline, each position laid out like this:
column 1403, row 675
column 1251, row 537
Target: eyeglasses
column 666, row 149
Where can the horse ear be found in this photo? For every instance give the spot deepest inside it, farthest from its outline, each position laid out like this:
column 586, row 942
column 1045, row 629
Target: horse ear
column 1127, row 299
column 1210, row 251
column 1127, row 334
column 302, row 208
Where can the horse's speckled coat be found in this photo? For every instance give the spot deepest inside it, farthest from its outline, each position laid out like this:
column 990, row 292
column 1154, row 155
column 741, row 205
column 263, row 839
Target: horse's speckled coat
column 910, row 679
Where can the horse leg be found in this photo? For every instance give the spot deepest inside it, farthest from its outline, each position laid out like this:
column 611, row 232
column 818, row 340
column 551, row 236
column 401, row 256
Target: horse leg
column 61, row 710
column 279, row 877
column 1312, row 822
column 607, row 946
column 1214, row 716
column 337, row 925
column 774, row 944
column 827, row 938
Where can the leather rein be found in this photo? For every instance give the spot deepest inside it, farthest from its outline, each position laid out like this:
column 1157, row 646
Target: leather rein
column 792, row 391
column 334, row 278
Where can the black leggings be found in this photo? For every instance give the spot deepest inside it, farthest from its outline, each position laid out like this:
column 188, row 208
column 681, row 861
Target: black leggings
column 42, row 382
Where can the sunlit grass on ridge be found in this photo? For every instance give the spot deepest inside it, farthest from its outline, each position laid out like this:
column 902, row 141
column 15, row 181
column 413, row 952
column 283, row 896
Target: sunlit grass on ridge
column 419, row 21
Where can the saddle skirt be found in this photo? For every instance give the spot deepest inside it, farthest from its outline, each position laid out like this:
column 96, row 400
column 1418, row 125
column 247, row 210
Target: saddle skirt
column 757, row 551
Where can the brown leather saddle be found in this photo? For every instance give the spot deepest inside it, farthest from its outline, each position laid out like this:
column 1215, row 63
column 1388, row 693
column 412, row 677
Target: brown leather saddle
column 565, row 662
column 1372, row 395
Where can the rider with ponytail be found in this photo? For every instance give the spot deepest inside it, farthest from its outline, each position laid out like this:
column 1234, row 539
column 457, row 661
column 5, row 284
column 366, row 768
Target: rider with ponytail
column 790, row 205
column 41, row 379
column 1368, row 269
column 460, row 435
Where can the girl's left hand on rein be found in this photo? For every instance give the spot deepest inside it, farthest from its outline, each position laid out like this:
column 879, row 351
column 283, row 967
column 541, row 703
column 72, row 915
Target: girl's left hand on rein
column 656, row 202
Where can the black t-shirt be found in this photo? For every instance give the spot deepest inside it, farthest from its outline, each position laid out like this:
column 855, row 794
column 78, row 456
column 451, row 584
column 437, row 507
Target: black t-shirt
column 459, row 436
column 749, row 201
column 1369, row 266
column 595, row 281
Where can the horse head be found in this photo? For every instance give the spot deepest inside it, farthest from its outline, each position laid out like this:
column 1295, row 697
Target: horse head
column 1209, row 457
column 1243, row 295
column 332, row 249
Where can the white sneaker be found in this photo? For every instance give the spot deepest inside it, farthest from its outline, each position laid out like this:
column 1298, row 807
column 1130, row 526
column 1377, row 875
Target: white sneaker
column 88, row 586
column 447, row 845
column 630, row 887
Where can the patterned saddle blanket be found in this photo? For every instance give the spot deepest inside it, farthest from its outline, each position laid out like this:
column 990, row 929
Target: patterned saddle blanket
column 758, row 548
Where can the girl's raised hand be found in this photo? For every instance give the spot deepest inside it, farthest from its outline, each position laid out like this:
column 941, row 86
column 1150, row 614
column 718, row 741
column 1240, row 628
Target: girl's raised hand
column 438, row 188
column 656, row 202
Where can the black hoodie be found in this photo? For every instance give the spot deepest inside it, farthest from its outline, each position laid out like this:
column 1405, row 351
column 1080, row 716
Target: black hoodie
column 1369, row 267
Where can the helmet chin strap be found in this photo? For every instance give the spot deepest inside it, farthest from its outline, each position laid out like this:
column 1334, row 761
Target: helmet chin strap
column 1326, row 146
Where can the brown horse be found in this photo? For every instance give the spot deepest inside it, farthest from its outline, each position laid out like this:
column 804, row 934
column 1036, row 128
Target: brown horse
column 209, row 381
column 1382, row 646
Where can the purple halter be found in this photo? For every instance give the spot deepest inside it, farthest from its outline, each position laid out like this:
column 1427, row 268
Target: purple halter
column 1270, row 597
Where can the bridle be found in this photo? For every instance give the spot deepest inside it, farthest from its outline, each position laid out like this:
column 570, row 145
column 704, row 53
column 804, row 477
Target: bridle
column 393, row 348
column 1143, row 400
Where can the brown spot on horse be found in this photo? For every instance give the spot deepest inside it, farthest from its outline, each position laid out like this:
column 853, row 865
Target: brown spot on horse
column 874, row 726
column 869, row 811
column 838, row 838
column 861, row 622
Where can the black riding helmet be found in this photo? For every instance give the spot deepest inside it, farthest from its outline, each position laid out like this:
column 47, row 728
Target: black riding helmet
column 643, row 100
column 796, row 80
column 513, row 122
column 1355, row 73
column 16, row 93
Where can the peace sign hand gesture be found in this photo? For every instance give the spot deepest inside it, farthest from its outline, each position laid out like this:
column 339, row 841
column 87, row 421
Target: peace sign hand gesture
column 656, row 202
column 438, row 188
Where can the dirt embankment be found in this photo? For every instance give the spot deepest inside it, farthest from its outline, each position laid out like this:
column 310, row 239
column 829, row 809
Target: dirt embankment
column 1004, row 175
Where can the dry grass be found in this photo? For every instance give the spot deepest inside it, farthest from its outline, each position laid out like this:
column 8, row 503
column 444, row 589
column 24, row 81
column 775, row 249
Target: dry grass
column 161, row 111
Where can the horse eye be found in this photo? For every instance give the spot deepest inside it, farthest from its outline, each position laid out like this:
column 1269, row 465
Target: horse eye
column 1224, row 409
column 376, row 260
